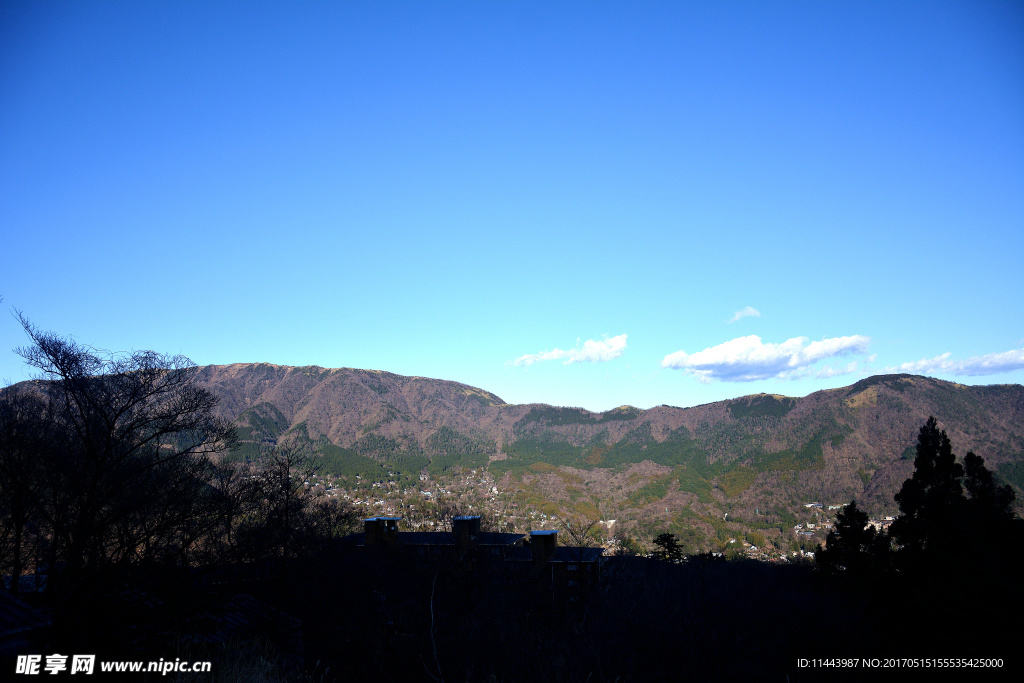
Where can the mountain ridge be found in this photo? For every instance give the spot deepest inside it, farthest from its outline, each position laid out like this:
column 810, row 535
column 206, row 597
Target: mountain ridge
column 830, row 438
column 755, row 460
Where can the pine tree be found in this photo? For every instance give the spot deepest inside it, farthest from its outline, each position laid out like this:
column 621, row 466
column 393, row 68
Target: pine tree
column 853, row 547
column 955, row 518
column 931, row 502
column 668, row 548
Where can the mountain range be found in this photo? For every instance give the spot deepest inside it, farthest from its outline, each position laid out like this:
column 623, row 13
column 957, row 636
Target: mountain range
column 756, row 455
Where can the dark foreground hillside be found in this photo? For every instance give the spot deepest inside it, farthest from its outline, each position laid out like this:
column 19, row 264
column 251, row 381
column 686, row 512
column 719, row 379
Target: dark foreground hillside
column 349, row 615
column 647, row 621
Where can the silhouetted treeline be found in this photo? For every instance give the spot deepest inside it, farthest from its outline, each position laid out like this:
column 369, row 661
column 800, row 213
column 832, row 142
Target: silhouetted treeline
column 113, row 499
column 949, row 567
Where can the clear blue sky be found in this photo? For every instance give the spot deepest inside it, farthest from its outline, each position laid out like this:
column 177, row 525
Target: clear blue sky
column 588, row 204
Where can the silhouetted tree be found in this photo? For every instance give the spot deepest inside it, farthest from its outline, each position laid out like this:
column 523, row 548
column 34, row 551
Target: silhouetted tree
column 956, row 523
column 325, row 520
column 626, row 543
column 941, row 531
column 28, row 441
column 993, row 532
column 852, row 546
column 577, row 533
column 271, row 529
column 931, row 502
column 124, row 477
column 987, row 501
column 668, row 548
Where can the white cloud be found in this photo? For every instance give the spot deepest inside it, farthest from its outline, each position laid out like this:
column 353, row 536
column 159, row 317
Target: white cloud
column 829, row 371
column 989, row 364
column 746, row 312
column 746, row 359
column 925, row 365
column 593, row 351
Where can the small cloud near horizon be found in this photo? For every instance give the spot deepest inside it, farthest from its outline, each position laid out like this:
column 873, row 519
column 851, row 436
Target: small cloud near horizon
column 989, row 364
column 746, row 312
column 747, row 359
column 592, row 351
column 829, row 371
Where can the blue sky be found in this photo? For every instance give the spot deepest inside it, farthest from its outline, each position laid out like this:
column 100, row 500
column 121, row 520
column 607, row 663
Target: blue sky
column 588, row 204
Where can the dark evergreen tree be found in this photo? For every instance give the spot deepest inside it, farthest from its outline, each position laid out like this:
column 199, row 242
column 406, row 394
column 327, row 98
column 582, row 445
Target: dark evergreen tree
column 987, row 500
column 941, row 532
column 853, row 547
column 991, row 529
column 668, row 548
column 930, row 528
column 957, row 523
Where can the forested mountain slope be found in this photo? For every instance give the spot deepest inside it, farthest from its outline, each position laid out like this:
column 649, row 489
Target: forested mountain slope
column 759, row 452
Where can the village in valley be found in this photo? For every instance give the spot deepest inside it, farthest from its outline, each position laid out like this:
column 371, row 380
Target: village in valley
column 429, row 503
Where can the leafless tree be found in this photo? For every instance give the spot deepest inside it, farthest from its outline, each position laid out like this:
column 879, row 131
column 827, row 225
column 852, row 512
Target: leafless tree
column 27, row 439
column 577, row 532
column 129, row 480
